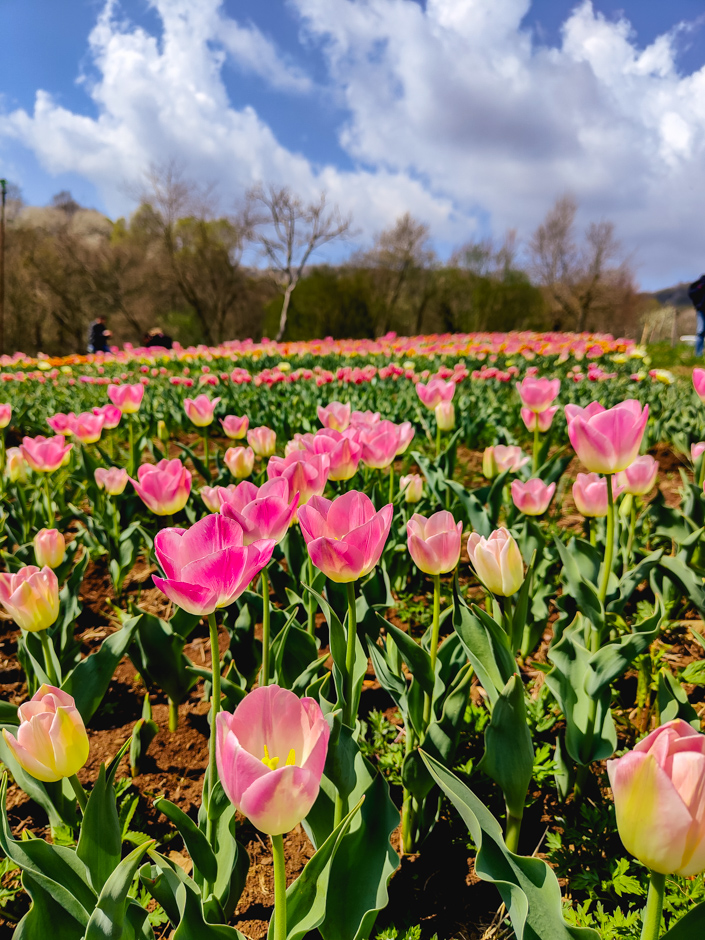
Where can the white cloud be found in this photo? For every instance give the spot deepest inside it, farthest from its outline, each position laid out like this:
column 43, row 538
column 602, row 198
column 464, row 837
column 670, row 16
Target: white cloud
column 452, row 111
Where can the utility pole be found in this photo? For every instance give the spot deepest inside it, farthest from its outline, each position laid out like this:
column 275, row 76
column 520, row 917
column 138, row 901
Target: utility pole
column 3, row 189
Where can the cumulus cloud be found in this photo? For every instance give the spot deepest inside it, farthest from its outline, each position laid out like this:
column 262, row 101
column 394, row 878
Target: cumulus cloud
column 453, row 111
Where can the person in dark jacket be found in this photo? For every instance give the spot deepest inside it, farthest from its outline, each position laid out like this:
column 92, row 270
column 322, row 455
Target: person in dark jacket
column 156, row 337
column 98, row 336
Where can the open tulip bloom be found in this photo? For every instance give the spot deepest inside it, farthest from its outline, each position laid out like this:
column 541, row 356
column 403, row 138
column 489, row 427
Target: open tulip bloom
column 31, row 598
column 659, row 796
column 164, row 488
column 335, row 416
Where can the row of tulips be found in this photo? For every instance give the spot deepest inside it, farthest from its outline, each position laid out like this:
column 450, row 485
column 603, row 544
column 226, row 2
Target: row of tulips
column 276, row 755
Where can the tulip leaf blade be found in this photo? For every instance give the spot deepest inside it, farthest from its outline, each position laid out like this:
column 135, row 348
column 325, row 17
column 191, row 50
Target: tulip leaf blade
column 109, row 918
column 689, row 926
column 198, row 848
column 613, row 659
column 486, row 646
column 414, row 655
column 47, row 917
column 99, row 842
column 527, row 885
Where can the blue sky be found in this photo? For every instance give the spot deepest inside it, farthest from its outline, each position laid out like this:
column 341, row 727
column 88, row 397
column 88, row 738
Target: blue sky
column 475, row 115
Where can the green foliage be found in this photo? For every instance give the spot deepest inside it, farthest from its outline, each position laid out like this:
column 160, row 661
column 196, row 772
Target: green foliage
column 381, row 743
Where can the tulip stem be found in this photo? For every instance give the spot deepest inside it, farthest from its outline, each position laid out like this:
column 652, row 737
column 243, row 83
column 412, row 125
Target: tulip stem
column 205, row 455
column 408, row 816
column 131, row 458
column 391, row 482
column 79, row 791
column 48, row 659
column 701, row 473
column 438, row 439
column 427, row 703
column 348, row 716
column 173, row 715
column 512, row 831
column 215, row 708
column 654, row 907
column 311, row 627
column 609, row 540
column 535, row 462
column 632, row 530
column 265, row 628
column 279, row 888
column 47, row 491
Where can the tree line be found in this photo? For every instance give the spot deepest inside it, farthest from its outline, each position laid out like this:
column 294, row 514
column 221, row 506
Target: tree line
column 205, row 276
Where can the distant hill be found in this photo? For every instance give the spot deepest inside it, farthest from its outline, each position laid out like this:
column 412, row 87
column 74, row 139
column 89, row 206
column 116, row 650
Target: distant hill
column 673, row 296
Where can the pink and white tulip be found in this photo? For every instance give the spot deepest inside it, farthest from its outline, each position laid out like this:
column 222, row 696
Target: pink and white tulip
column 111, row 416
column 45, row 454
column 335, row 415
column 380, row 442
column 533, row 497
column 5, row 414
column 342, row 447
column 88, row 427
column 113, row 481
column 412, row 487
column 434, row 542
column 537, row 394
column 264, row 512
column 699, row 383
column 164, row 488
column 200, row 410
column 15, row 465
column 235, row 427
column 640, row 476
column 538, row 420
column 31, row 597
column 61, row 423
column 128, row 398
column 305, row 473
column 445, row 415
column 51, row 740
column 696, row 450
column 435, row 392
column 208, row 565
column 659, row 798
column 508, row 457
column 49, row 548
column 270, row 753
column 345, row 537
column 262, row 440
column 609, row 440
column 239, row 461
column 497, row 562
column 590, row 494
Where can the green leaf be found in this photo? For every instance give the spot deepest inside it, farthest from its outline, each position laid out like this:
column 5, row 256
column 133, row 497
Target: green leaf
column 196, row 843
column 685, row 580
column 415, row 657
column 46, row 917
column 613, row 659
column 90, row 679
column 308, row 896
column 580, row 573
column 99, row 842
column 509, row 750
column 673, row 702
column 690, row 926
column 527, row 886
column 108, row 919
column 486, row 645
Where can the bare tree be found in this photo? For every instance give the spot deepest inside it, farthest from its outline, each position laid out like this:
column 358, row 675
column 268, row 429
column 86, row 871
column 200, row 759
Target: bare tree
column 487, row 258
column 584, row 280
column 289, row 231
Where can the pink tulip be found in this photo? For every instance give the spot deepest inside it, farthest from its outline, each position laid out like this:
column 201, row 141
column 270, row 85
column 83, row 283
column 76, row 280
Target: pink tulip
column 695, row 450
column 111, row 416
column 590, row 494
column 537, row 394
column 15, row 466
column 164, row 488
column 609, row 441
column 435, row 392
column 699, row 383
column 532, row 498
column 406, row 436
column 61, row 423
column 538, row 419
column 572, row 411
column 364, row 419
column 305, row 473
column 200, row 410
column 208, row 565
column 336, row 415
column 659, row 798
column 262, row 440
column 31, row 597
column 128, row 398
column 263, row 513
column 5, row 415
column 380, row 443
column 497, row 562
column 412, row 487
column 88, row 427
column 445, row 415
column 343, row 449
column 640, row 477
column 235, row 428
column 346, row 536
column 210, row 497
column 43, row 454
column 113, row 481
column 271, row 752
column 51, row 740
column 49, row 548
column 509, row 457
column 239, row 461
column 434, row 543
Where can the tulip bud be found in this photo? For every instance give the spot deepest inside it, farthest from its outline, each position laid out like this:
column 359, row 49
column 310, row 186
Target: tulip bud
column 5, row 415
column 434, row 543
column 113, row 481
column 489, row 465
column 31, row 597
column 49, row 548
column 239, row 461
column 262, row 440
column 658, row 796
column 445, row 415
column 162, row 431
column 15, row 465
column 497, row 562
column 51, row 740
column 640, row 476
column 412, row 487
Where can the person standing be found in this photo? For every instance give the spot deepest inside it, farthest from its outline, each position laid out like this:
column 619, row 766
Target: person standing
column 98, row 336
column 696, row 292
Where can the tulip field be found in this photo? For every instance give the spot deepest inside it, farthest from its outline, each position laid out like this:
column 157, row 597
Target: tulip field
column 398, row 639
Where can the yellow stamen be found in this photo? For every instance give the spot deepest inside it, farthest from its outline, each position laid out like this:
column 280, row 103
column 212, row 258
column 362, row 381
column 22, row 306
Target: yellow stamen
column 271, row 762
column 291, row 759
